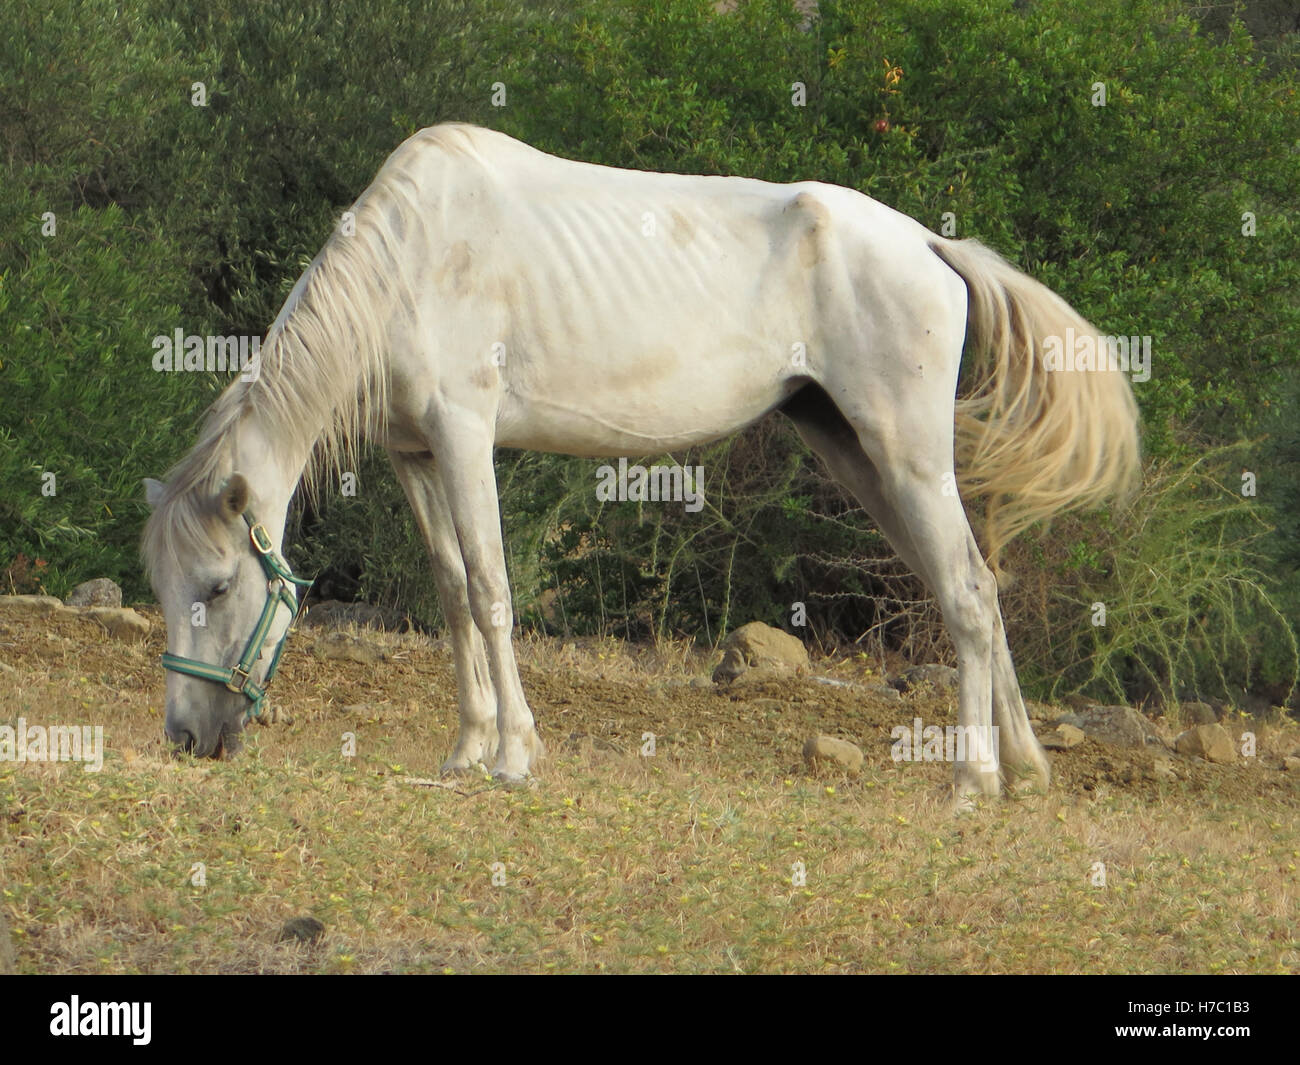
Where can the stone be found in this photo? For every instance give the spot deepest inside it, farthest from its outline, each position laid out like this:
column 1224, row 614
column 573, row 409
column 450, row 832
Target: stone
column 1120, row 726
column 731, row 667
column 757, row 644
column 828, row 750
column 760, row 675
column 1062, row 737
column 701, row 682
column 1197, row 713
column 943, row 678
column 31, row 606
column 99, row 592
column 1291, row 764
column 121, row 623
column 1211, row 742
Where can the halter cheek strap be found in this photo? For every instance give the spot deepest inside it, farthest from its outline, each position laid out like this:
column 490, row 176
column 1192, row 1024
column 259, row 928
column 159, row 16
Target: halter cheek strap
column 238, row 678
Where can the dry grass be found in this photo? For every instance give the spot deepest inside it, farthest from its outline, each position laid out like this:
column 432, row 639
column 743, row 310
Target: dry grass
column 612, row 862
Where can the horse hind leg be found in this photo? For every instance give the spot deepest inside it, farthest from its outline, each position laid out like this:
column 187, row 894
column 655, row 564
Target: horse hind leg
column 1021, row 758
column 907, row 482
column 477, row 740
column 946, row 551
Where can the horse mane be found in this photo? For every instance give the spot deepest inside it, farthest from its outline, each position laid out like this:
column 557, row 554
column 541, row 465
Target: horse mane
column 323, row 381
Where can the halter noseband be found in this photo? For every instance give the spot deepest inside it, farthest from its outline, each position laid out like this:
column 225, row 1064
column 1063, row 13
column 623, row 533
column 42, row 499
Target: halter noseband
column 238, row 677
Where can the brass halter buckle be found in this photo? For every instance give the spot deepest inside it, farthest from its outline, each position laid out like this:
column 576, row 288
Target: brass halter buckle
column 262, row 546
column 238, row 678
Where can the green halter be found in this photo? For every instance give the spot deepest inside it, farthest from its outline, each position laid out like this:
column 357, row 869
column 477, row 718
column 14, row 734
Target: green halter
column 237, row 678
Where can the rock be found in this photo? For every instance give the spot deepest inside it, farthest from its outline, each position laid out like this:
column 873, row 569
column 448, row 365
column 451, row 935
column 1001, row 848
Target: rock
column 1199, row 714
column 302, row 930
column 731, row 667
column 99, row 592
column 1062, row 737
column 884, row 691
column 1120, row 726
column 342, row 647
column 1038, row 711
column 760, row 675
column 756, row 645
column 31, row 606
column 1211, row 742
column 944, row 678
column 827, row 750
column 701, row 682
column 121, row 623
column 1291, row 764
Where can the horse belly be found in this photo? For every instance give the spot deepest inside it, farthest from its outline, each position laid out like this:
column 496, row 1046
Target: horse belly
column 640, row 406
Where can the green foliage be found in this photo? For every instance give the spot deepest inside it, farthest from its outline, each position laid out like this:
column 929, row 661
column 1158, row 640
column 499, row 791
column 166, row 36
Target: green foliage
column 82, row 409
column 201, row 218
column 1174, row 600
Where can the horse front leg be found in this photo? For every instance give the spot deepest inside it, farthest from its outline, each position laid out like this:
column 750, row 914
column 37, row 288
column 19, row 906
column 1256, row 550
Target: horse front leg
column 476, row 743
column 463, row 454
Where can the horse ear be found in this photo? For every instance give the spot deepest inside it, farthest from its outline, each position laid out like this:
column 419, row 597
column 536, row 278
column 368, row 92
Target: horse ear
column 233, row 499
column 153, row 491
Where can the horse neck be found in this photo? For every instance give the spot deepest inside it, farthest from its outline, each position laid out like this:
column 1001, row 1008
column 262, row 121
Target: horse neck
column 273, row 465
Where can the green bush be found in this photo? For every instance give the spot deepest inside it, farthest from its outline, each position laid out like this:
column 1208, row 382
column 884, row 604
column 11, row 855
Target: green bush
column 172, row 215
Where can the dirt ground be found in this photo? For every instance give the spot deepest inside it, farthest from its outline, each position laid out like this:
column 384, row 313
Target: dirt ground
column 619, row 862
column 607, row 694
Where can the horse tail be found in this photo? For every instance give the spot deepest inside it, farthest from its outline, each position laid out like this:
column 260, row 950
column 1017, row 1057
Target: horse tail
column 1031, row 441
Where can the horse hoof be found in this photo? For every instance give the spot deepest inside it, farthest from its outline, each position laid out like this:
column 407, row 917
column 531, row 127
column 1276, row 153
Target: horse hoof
column 959, row 805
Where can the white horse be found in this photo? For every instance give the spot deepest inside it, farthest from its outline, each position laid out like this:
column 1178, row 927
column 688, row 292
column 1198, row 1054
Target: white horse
column 487, row 294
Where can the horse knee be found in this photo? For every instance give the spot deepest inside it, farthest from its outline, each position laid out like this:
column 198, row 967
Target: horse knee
column 489, row 601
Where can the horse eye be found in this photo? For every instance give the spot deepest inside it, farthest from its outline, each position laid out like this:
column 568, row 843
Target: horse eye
column 219, row 590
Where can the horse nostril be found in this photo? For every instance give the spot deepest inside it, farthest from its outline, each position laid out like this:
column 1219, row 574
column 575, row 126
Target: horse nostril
column 181, row 739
